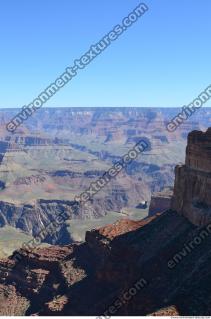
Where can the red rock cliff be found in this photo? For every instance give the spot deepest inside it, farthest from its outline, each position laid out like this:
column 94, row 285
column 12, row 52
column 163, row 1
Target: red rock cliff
column 193, row 180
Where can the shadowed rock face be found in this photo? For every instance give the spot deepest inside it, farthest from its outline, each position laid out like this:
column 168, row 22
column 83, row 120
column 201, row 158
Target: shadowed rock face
column 193, row 180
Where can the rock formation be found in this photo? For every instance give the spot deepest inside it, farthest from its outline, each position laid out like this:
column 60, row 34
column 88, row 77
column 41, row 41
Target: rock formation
column 193, row 180
column 160, row 201
column 135, row 268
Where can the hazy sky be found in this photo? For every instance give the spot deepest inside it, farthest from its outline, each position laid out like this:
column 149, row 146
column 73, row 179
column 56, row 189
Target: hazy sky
column 162, row 60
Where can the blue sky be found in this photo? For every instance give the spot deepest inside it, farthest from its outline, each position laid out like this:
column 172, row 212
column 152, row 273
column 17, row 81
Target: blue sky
column 163, row 60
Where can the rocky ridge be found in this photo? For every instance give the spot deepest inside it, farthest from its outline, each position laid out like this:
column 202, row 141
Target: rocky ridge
column 88, row 278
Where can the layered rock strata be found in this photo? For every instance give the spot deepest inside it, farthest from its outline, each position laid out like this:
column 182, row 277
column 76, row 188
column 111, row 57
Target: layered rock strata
column 192, row 187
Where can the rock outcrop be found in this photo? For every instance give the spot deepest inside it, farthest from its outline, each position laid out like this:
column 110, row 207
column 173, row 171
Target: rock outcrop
column 193, row 180
column 160, row 201
column 127, row 268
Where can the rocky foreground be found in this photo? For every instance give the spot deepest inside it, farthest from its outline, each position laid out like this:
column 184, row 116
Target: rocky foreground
column 158, row 266
column 90, row 278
